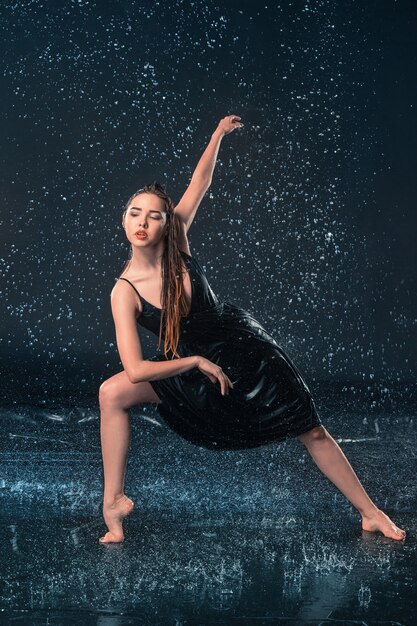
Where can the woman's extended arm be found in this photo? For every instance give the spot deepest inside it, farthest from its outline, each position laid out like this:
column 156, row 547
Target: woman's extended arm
column 207, row 162
column 123, row 306
column 201, row 178
column 138, row 369
column 151, row 370
column 155, row 370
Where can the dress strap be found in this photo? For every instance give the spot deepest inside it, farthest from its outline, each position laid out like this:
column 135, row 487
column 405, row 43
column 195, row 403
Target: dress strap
column 144, row 302
column 128, row 281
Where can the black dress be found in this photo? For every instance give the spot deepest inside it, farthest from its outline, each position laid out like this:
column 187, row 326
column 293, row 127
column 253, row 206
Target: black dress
column 270, row 400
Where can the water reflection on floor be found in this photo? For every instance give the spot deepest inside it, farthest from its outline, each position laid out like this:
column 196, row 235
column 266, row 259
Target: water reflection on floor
column 242, row 537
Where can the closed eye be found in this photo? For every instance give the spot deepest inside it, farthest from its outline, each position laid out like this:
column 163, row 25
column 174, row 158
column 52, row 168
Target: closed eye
column 152, row 218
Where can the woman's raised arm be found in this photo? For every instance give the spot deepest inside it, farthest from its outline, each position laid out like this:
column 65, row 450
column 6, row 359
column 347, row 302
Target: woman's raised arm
column 201, row 178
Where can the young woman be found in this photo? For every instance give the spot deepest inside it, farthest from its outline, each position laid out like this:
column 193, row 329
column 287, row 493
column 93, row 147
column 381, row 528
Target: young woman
column 222, row 380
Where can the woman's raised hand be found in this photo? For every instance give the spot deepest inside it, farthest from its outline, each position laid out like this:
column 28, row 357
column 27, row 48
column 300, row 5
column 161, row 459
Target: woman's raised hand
column 229, row 123
column 215, row 373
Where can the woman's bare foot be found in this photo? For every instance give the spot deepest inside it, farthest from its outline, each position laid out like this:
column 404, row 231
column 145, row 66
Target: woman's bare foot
column 378, row 520
column 113, row 515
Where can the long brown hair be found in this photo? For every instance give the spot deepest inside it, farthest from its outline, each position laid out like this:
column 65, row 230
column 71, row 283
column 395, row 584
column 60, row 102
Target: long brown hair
column 174, row 303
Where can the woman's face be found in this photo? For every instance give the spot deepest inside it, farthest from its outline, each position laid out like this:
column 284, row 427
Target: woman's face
column 145, row 213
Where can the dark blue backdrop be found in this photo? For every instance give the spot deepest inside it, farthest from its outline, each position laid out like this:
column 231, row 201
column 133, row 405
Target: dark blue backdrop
column 310, row 219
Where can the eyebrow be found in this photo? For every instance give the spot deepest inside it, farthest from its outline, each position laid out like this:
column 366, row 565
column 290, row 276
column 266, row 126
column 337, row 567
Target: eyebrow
column 136, row 208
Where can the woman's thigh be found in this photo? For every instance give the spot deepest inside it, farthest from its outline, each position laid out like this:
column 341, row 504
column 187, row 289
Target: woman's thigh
column 120, row 391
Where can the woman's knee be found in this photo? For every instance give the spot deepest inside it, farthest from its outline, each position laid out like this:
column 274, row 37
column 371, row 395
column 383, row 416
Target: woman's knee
column 109, row 392
column 318, row 433
column 120, row 392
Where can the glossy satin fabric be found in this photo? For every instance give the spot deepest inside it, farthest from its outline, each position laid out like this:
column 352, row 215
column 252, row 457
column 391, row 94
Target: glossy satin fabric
column 270, row 400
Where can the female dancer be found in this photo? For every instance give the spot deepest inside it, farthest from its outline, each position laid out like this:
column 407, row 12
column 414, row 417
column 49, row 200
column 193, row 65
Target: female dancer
column 260, row 397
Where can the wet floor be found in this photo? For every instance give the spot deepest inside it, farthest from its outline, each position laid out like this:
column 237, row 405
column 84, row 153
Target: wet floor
column 236, row 537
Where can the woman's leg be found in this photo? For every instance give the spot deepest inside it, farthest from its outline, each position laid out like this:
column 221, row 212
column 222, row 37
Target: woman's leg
column 329, row 457
column 116, row 395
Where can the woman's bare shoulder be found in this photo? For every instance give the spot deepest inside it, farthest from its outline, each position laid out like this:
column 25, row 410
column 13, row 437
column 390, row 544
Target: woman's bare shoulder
column 124, row 296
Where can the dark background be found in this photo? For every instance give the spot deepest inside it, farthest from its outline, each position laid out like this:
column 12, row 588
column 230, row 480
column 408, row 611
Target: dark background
column 309, row 222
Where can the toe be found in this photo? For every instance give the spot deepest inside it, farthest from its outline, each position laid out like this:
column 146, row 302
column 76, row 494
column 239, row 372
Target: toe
column 396, row 533
column 111, row 538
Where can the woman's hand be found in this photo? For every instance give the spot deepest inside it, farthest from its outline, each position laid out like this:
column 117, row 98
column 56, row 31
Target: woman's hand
column 229, row 123
column 215, row 373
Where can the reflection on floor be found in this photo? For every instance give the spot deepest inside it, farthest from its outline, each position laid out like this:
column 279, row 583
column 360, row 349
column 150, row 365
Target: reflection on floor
column 242, row 537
